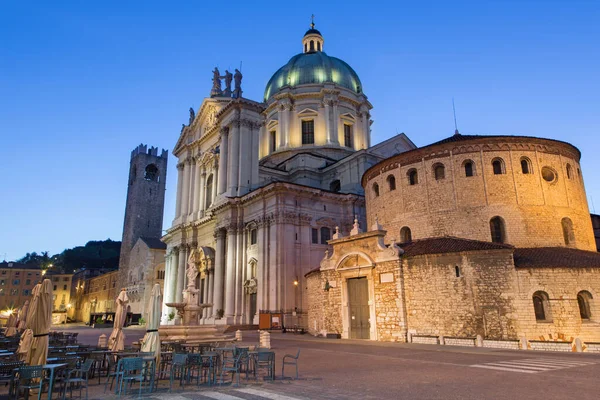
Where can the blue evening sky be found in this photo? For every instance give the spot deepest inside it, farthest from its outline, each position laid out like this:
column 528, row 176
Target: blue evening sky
column 83, row 83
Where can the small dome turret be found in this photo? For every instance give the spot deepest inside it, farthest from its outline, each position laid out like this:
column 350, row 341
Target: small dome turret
column 313, row 40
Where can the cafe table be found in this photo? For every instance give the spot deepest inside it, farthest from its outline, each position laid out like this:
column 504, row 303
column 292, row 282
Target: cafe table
column 52, row 368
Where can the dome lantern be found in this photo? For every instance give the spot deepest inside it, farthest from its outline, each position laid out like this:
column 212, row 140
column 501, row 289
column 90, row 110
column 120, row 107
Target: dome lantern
column 313, row 40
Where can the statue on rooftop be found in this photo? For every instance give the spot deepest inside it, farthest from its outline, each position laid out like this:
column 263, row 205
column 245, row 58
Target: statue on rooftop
column 237, row 92
column 216, row 89
column 192, row 116
column 228, row 78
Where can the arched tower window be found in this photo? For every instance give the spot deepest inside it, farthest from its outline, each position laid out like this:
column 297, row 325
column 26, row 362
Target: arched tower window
column 151, row 173
column 569, row 171
column 312, row 45
column 335, row 186
column 405, row 235
column 375, row 190
column 526, row 166
column 305, row 47
column 541, row 306
column 568, row 233
column 439, row 171
column 391, row 180
column 583, row 300
column 497, row 230
column 209, row 191
column 498, row 166
column 469, row 168
column 413, row 177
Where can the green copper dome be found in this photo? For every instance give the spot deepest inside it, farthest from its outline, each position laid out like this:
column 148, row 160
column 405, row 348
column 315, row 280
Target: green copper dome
column 313, row 67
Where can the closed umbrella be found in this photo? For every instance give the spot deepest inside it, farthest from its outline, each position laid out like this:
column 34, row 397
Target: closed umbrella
column 116, row 341
column 22, row 319
column 151, row 341
column 11, row 325
column 39, row 320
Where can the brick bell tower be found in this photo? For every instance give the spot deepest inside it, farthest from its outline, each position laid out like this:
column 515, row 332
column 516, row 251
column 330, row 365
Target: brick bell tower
column 145, row 201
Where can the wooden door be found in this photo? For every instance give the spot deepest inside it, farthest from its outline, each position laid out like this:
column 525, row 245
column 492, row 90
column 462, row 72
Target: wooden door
column 358, row 301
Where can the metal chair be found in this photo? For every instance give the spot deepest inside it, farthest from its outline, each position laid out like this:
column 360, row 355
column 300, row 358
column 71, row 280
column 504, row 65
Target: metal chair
column 28, row 378
column 266, row 360
column 178, row 366
column 112, row 371
column 132, row 371
column 291, row 360
column 244, row 359
column 231, row 364
column 78, row 376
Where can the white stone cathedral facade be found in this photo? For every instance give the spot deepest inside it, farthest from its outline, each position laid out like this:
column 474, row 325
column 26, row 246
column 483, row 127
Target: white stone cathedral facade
column 263, row 185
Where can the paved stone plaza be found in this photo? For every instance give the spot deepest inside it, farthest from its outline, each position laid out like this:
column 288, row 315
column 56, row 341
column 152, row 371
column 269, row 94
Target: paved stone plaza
column 352, row 369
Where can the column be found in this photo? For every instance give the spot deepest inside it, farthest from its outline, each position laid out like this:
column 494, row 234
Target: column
column 202, row 194
column 366, row 129
column 260, row 268
column 219, row 271
column 205, row 293
column 328, row 120
column 186, row 187
column 272, row 266
column 192, row 185
column 233, row 166
column 240, row 275
column 281, row 127
column 246, row 154
column 210, row 282
column 223, row 149
column 230, row 272
column 179, row 188
column 166, row 292
column 336, row 117
column 180, row 274
column 197, row 187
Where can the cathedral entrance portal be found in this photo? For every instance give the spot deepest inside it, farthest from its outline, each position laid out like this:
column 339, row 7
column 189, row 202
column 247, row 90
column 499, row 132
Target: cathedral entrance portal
column 358, row 302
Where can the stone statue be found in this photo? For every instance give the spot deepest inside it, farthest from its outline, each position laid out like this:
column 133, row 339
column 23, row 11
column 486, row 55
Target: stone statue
column 228, row 78
column 192, row 270
column 182, row 128
column 250, row 286
column 237, row 92
column 192, row 116
column 216, row 89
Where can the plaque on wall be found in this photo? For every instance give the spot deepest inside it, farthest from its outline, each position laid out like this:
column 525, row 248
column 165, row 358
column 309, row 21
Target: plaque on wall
column 386, row 277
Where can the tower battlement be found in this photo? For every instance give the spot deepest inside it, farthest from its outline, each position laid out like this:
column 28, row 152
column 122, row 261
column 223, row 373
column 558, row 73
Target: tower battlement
column 153, row 151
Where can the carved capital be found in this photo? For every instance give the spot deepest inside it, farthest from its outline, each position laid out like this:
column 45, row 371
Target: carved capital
column 219, row 233
column 181, row 165
column 224, row 130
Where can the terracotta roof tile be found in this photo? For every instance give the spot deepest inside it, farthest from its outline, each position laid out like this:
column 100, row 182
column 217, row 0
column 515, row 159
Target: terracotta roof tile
column 548, row 257
column 447, row 244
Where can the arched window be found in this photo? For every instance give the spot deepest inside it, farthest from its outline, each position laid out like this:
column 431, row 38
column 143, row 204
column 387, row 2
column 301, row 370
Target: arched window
column 335, row 186
column 439, row 171
column 457, row 271
column 568, row 234
column 469, row 168
column 498, row 166
column 413, row 177
column 318, row 46
column 526, row 166
column 312, row 45
column 391, row 180
column 405, row 235
column 209, row 187
column 583, row 300
column 151, row 173
column 375, row 190
column 305, row 47
column 541, row 306
column 497, row 230
column 569, row 171
column 325, row 235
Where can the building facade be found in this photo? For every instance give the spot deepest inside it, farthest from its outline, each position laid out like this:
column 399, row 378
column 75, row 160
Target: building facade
column 472, row 236
column 262, row 185
column 16, row 282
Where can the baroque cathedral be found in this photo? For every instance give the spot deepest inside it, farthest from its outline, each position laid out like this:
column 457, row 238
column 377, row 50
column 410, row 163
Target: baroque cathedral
column 262, row 186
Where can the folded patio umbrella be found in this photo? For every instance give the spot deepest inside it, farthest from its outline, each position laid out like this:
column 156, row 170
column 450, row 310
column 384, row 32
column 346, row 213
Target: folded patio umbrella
column 25, row 345
column 116, row 341
column 11, row 325
column 151, row 341
column 39, row 320
column 22, row 317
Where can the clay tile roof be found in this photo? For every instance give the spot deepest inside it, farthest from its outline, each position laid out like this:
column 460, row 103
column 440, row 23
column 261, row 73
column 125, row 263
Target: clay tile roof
column 154, row 243
column 447, row 244
column 548, row 257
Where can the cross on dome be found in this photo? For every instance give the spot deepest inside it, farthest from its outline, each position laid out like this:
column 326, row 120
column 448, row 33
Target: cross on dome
column 313, row 40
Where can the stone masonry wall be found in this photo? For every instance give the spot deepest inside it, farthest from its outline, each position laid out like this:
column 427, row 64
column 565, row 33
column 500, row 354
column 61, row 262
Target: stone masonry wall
column 479, row 302
column 562, row 286
column 462, row 206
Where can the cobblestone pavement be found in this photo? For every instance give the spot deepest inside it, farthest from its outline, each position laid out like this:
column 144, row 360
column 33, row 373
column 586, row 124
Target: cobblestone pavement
column 350, row 369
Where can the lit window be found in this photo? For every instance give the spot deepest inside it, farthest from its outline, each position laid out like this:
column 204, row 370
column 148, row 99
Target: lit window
column 308, row 132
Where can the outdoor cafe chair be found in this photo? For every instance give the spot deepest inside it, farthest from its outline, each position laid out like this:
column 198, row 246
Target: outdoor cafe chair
column 132, row 371
column 7, row 371
column 244, row 359
column 231, row 364
column 178, row 369
column 264, row 360
column 112, row 372
column 28, row 378
column 78, row 376
column 289, row 359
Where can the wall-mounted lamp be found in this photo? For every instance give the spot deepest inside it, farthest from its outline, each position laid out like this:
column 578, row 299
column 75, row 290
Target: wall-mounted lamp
column 296, row 282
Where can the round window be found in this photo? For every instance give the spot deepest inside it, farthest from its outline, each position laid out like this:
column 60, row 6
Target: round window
column 549, row 174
